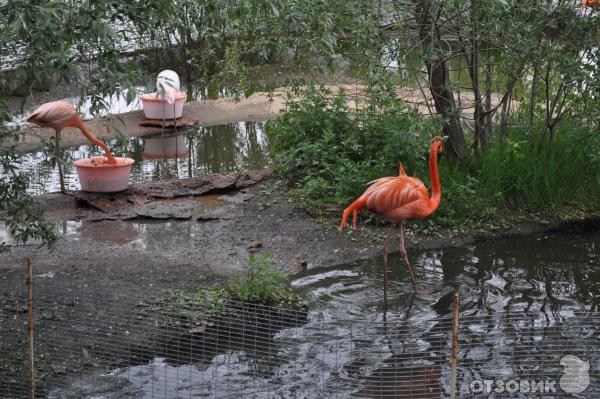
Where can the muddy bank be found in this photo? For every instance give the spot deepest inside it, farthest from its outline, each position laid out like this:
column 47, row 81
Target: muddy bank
column 164, row 241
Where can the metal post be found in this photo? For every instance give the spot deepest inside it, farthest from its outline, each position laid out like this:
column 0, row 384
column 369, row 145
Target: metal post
column 30, row 328
column 454, row 356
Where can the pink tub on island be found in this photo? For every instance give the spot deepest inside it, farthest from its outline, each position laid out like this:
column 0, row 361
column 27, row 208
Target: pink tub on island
column 98, row 176
column 157, row 108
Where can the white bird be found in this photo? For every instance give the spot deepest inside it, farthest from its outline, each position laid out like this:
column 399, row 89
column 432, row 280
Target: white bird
column 167, row 84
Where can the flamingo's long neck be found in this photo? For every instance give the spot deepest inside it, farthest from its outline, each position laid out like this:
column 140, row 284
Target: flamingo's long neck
column 92, row 138
column 436, row 189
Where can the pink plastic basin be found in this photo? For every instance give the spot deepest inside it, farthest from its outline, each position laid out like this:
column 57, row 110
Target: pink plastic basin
column 157, row 108
column 98, row 176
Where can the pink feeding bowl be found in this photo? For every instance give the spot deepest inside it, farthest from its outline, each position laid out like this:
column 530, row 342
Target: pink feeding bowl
column 157, row 108
column 98, row 176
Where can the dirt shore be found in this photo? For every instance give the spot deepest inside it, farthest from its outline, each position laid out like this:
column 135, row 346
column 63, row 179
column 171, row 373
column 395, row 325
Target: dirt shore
column 127, row 253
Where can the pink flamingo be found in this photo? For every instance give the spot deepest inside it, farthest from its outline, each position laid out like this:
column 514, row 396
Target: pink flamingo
column 400, row 198
column 59, row 115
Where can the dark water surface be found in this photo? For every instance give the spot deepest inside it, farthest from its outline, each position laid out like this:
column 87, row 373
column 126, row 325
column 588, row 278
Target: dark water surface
column 224, row 148
column 524, row 304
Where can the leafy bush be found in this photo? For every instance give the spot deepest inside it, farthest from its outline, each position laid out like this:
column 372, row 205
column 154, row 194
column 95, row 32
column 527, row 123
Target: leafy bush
column 329, row 151
column 263, row 284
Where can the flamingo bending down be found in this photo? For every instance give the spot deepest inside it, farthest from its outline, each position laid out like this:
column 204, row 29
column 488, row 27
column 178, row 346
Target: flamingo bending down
column 400, row 198
column 167, row 84
column 59, row 115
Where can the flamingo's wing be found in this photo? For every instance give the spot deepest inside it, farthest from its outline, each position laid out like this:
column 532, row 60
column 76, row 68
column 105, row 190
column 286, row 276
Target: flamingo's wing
column 417, row 209
column 52, row 113
column 393, row 193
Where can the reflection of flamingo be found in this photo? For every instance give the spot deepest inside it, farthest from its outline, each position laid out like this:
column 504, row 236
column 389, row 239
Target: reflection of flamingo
column 399, row 198
column 403, row 377
column 59, row 115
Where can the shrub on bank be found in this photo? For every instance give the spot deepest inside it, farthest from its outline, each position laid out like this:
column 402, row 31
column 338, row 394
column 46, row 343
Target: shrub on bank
column 328, row 152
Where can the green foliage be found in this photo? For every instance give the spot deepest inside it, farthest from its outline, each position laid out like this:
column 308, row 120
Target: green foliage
column 264, row 284
column 261, row 284
column 329, row 151
column 520, row 174
column 196, row 306
column 24, row 220
column 54, row 42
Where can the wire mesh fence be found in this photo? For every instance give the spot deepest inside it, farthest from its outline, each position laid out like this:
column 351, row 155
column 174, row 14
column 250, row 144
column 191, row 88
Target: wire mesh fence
column 97, row 346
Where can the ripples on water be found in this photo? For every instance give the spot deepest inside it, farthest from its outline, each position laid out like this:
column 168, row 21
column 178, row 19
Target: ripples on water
column 525, row 303
column 224, row 148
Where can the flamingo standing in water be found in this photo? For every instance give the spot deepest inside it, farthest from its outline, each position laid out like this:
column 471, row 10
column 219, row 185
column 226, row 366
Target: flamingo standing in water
column 400, row 198
column 59, row 115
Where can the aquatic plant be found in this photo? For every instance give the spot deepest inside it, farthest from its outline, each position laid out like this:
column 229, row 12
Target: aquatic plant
column 262, row 283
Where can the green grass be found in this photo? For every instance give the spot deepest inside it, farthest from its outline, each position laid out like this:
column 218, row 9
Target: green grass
column 517, row 174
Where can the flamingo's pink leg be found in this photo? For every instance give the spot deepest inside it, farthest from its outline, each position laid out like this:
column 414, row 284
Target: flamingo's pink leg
column 405, row 256
column 61, row 175
column 385, row 266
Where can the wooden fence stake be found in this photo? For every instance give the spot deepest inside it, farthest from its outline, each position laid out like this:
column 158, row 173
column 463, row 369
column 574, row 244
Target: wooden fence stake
column 454, row 356
column 30, row 328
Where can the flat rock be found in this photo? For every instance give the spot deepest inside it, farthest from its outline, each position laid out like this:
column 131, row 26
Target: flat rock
column 173, row 199
column 237, row 198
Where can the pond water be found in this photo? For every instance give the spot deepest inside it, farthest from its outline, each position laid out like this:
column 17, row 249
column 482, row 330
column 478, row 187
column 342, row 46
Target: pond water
column 214, row 149
column 524, row 303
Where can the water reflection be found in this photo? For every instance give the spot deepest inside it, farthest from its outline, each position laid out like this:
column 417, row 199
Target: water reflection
column 165, row 147
column 225, row 148
column 525, row 303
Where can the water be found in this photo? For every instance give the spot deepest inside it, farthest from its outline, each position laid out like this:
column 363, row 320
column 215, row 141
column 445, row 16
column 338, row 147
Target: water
column 224, row 148
column 519, row 305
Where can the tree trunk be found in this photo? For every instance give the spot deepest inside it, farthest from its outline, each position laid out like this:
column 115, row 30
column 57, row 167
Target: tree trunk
column 504, row 115
column 446, row 106
column 439, row 79
column 473, row 66
column 488, row 95
column 533, row 98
